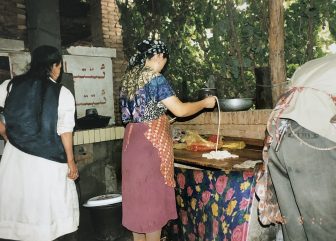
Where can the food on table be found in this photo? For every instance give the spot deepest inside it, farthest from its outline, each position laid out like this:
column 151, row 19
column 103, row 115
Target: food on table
column 196, row 143
column 200, row 147
column 192, row 141
column 233, row 145
column 213, row 138
column 180, row 146
column 219, row 155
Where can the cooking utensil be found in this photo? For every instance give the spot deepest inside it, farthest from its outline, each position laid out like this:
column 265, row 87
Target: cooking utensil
column 236, row 104
column 91, row 111
column 92, row 120
column 205, row 92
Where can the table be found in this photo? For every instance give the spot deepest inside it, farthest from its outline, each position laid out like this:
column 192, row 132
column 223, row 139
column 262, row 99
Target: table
column 196, row 159
column 214, row 200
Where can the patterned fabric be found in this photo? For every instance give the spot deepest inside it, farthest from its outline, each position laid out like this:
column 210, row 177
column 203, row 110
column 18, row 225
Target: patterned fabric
column 268, row 207
column 148, row 203
column 143, row 104
column 136, row 79
column 146, row 49
column 160, row 135
column 212, row 205
column 140, row 102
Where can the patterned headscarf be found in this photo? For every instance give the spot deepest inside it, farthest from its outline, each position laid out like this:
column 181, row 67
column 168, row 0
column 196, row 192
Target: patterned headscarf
column 147, row 48
column 137, row 75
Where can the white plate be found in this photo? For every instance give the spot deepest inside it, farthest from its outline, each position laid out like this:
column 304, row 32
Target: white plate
column 103, row 200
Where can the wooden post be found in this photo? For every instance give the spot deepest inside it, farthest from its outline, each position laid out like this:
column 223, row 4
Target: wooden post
column 276, row 48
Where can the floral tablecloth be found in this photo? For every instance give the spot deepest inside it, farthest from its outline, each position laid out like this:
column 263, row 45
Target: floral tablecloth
column 212, row 205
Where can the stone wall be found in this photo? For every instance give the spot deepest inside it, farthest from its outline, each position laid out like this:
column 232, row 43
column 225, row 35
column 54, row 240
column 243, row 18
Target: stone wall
column 13, row 19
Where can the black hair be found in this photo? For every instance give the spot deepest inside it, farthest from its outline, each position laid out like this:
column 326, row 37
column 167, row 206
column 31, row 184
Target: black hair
column 42, row 60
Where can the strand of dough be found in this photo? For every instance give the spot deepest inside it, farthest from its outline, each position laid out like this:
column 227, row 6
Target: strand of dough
column 219, row 155
column 218, row 127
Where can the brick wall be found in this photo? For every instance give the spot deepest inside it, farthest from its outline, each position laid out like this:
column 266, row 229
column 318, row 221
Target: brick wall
column 105, row 28
column 107, row 32
column 246, row 124
column 13, row 19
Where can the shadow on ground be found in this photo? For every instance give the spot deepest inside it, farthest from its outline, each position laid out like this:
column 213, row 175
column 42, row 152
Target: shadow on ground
column 86, row 231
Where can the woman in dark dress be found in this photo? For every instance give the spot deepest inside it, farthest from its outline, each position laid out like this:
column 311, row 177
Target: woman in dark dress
column 147, row 156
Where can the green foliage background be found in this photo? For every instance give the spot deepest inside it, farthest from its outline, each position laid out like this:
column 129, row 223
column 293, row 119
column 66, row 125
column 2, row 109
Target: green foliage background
column 220, row 40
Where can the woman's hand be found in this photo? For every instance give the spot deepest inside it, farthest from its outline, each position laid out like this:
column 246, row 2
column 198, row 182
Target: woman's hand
column 73, row 171
column 67, row 143
column 210, row 102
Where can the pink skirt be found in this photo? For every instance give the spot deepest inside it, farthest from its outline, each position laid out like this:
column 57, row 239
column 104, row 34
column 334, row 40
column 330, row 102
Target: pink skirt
column 148, row 203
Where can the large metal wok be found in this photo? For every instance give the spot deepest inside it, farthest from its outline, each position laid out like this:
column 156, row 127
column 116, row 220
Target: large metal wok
column 236, row 104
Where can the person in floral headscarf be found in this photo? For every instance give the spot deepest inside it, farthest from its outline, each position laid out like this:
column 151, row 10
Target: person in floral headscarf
column 147, row 154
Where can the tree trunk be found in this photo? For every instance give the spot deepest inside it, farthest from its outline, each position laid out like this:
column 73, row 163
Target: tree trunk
column 310, row 33
column 276, row 48
column 236, row 43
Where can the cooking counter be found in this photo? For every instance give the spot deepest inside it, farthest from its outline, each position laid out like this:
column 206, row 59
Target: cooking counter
column 228, row 164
